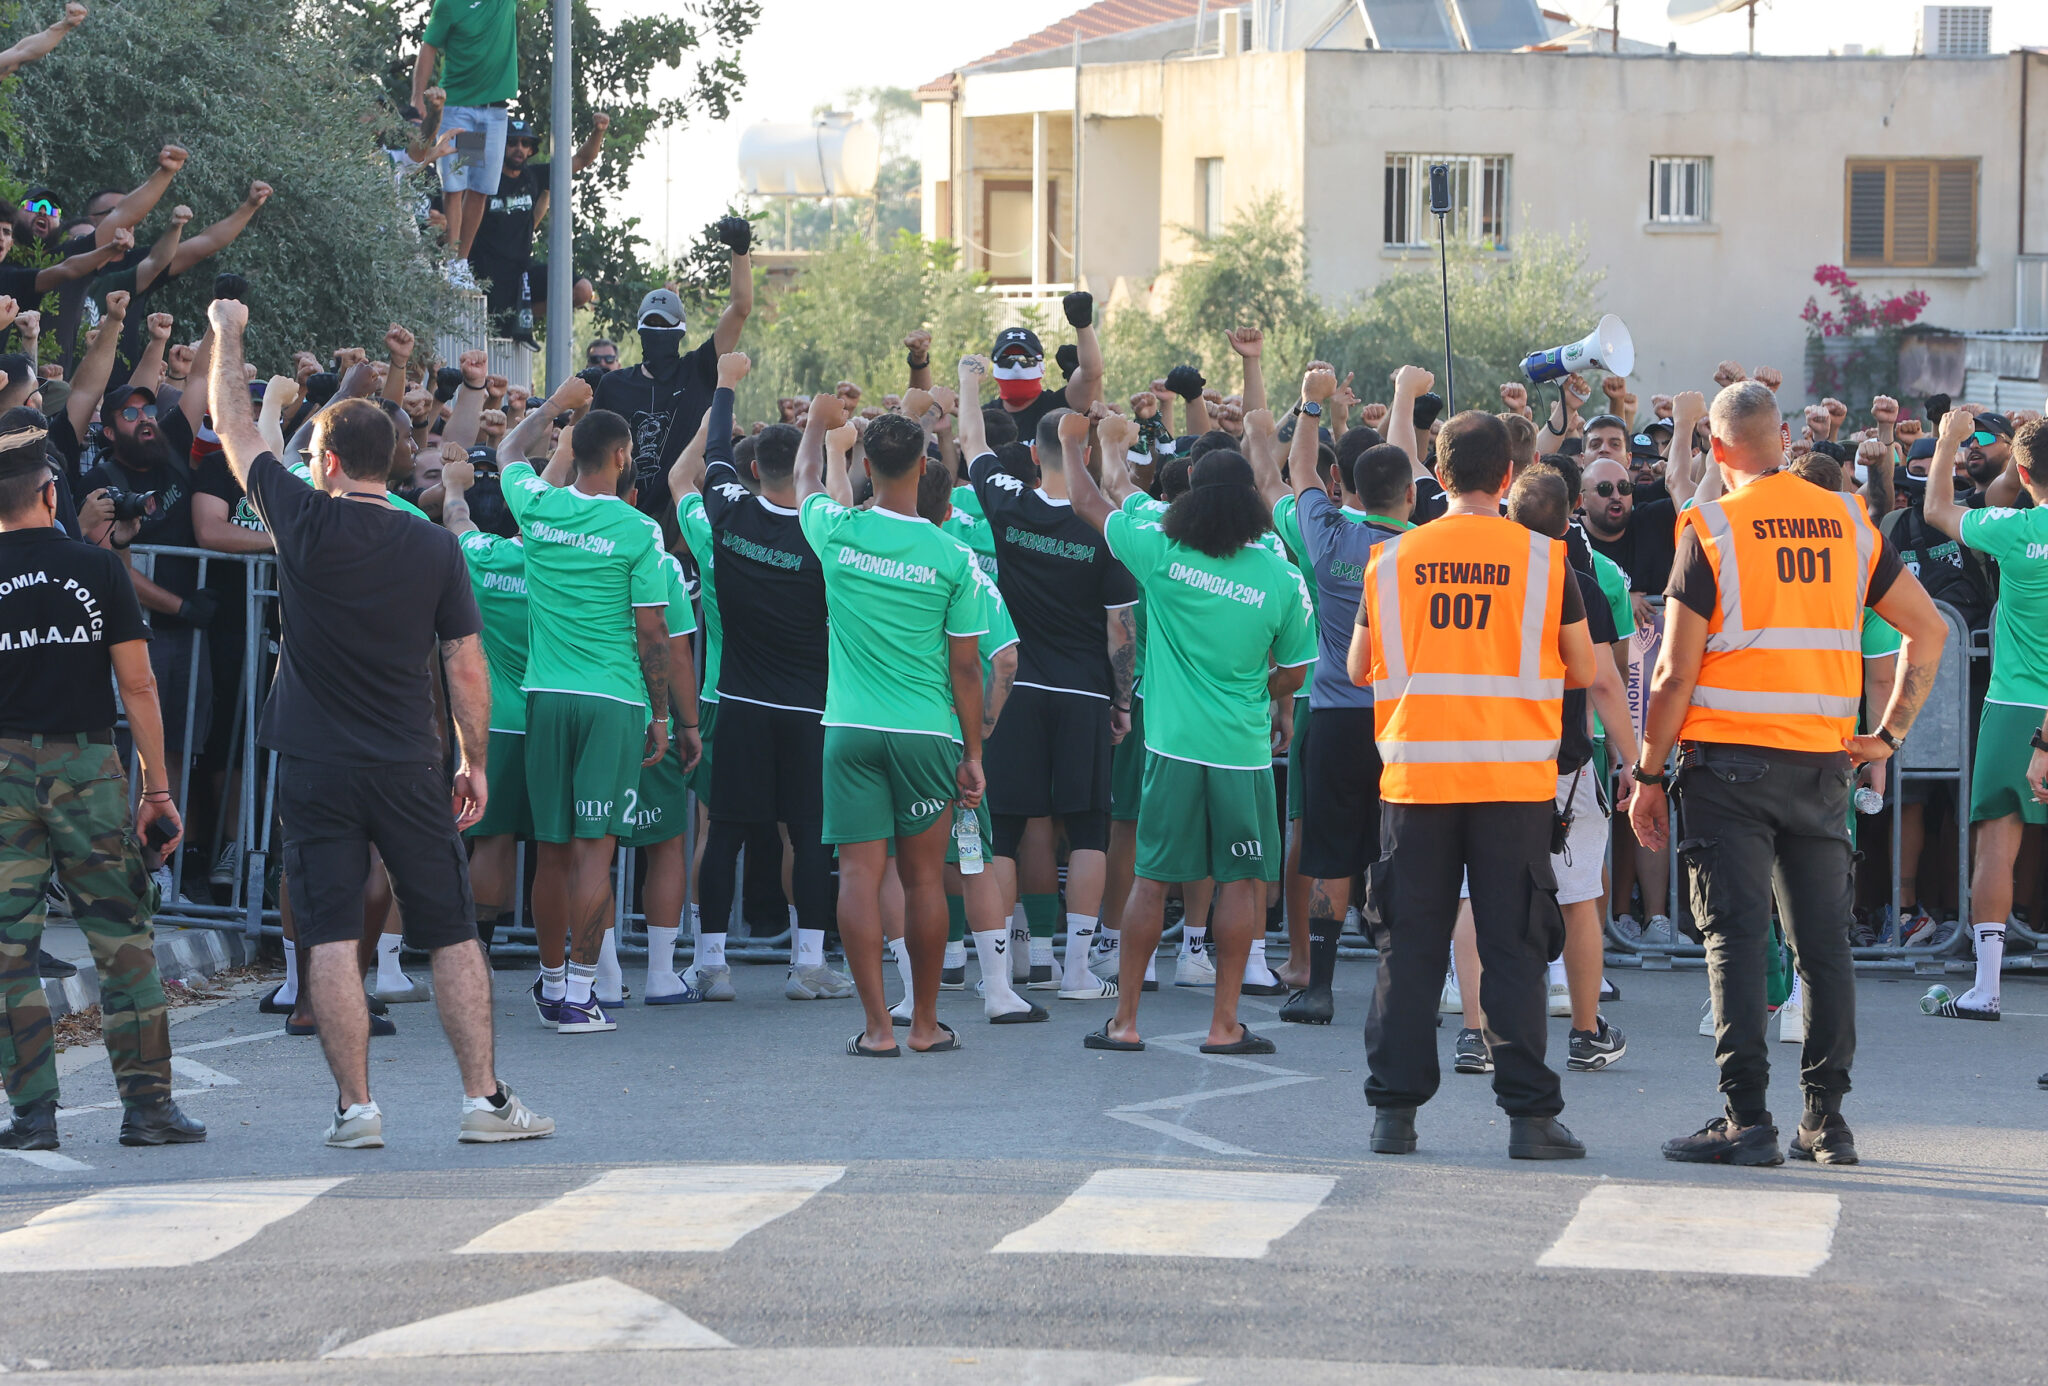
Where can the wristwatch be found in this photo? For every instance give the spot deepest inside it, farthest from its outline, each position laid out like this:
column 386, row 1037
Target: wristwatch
column 1312, row 408
column 1642, row 776
column 1887, row 738
column 2037, row 743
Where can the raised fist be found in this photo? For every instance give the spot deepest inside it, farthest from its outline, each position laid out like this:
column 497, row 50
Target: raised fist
column 1817, row 420
column 1247, row 342
column 1690, row 405
column 418, row 404
column 171, row 158
column 732, row 368
column 917, row 403
column 1956, row 427
column 1145, row 405
column 178, row 360
column 1074, row 428
column 1837, row 412
column 849, row 392
column 476, row 368
column 458, row 473
column 572, row 396
column 435, row 97
column 224, row 313
column 946, row 399
column 1770, row 377
column 1515, row 398
column 494, row 386
column 1185, row 381
column 259, row 193
column 180, row 215
column 1908, row 431
column 1318, row 385
column 1884, row 409
column 159, row 325
column 116, row 306
column 1729, row 373
column 398, row 341
column 74, row 15
column 281, row 391
column 601, row 122
column 1079, row 307
column 828, row 411
column 973, row 371
column 123, row 240
column 735, row 234
column 1372, row 416
column 842, row 438
column 918, row 343
column 1660, row 406
column 1413, row 380
column 1118, row 435
column 1614, row 387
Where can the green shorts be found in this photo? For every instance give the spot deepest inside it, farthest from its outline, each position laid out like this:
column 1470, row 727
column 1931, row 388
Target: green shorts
column 1297, row 778
column 1200, row 820
column 1127, row 769
column 658, row 808
column 698, row 781
column 881, row 784
column 1998, row 779
column 582, row 765
column 506, row 811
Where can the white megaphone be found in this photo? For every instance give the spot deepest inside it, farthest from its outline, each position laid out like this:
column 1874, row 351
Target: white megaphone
column 1607, row 347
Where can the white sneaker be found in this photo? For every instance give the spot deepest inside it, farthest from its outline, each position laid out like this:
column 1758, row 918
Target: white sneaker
column 1560, row 999
column 1104, row 957
column 818, row 983
column 515, row 1121
column 712, row 983
column 1792, row 1020
column 405, row 989
column 1660, row 932
column 1194, row 968
column 361, row 1127
column 1630, row 929
column 1451, row 1002
column 1707, row 1017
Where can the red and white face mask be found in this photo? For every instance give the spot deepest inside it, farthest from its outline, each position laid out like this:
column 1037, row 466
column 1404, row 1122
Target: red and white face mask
column 1019, row 380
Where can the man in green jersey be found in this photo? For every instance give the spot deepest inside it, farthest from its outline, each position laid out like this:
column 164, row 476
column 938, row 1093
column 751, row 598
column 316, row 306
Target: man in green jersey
column 597, row 660
column 1229, row 630
column 2002, row 800
column 903, row 709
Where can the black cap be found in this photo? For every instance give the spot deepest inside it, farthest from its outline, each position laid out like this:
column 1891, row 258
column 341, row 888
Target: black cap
column 112, row 401
column 1995, row 423
column 520, row 130
column 482, row 456
column 1644, row 446
column 1017, row 340
column 1607, row 421
column 1923, row 449
column 1670, row 426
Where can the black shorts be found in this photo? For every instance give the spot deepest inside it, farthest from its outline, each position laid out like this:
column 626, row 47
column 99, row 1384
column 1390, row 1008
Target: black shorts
column 1340, row 822
column 503, row 279
column 1050, row 755
column 333, row 814
column 771, row 763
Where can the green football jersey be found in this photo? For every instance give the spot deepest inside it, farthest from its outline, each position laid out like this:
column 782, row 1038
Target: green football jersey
column 590, row 560
column 1217, row 624
column 896, row 588
column 696, row 526
column 972, row 528
column 2018, row 539
column 497, row 574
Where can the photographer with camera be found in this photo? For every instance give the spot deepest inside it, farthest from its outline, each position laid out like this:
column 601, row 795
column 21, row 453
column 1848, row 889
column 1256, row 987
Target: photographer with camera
column 70, row 629
column 666, row 396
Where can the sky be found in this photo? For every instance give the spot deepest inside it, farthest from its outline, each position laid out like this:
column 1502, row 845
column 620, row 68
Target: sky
column 806, row 52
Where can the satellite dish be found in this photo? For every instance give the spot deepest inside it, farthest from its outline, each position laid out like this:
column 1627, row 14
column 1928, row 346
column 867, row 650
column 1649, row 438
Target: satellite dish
column 1693, row 11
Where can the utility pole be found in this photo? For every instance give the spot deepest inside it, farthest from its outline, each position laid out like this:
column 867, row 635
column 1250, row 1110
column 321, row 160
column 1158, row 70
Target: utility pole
column 561, row 238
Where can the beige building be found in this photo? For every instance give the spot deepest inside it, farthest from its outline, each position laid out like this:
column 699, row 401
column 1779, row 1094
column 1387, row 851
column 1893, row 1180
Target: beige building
column 1706, row 189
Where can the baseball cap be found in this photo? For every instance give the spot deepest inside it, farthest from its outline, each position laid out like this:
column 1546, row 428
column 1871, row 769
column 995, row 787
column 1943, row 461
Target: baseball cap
column 1669, row 426
column 1643, row 446
column 114, row 399
column 1922, row 451
column 661, row 303
column 520, row 130
column 1995, row 423
column 481, row 456
column 1606, row 421
column 1016, row 341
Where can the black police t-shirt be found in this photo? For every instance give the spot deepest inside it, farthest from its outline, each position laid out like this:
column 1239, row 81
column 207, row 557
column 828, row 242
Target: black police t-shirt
column 366, row 593
column 505, row 234
column 1057, row 577
column 63, row 606
column 663, row 415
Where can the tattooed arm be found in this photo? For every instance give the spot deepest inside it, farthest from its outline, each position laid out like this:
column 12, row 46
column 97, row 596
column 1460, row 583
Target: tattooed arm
column 650, row 627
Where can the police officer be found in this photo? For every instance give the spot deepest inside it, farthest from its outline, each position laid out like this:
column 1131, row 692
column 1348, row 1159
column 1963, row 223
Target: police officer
column 1471, row 629
column 1758, row 684
column 69, row 627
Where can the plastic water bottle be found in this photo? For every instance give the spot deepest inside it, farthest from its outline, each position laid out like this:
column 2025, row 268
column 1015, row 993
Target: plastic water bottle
column 967, row 839
column 1937, row 996
column 1869, row 801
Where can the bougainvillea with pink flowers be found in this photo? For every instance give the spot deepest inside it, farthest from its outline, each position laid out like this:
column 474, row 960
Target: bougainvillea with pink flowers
column 1866, row 363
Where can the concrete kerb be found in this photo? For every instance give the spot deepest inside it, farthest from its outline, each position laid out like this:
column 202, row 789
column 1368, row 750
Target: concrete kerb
column 182, row 955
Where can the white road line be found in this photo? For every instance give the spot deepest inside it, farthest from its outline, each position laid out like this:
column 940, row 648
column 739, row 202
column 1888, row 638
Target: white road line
column 1164, row 1212
column 64, row 1113
column 1676, row 1227
column 1166, row 1381
column 48, row 1159
column 1189, row 1099
column 231, row 1039
column 599, row 1315
column 661, row 1208
column 1180, row 1133
column 192, row 1071
column 153, row 1225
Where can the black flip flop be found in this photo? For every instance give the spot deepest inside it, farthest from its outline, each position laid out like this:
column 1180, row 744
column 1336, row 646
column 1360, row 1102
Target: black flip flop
column 1245, row 1043
column 1100, row 1039
column 1036, row 1013
column 944, row 1046
column 270, row 1005
column 861, row 1051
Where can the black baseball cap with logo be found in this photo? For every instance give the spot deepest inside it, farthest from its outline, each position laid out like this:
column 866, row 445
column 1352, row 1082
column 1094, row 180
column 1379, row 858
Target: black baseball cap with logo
column 1017, row 341
column 521, row 130
column 1644, row 447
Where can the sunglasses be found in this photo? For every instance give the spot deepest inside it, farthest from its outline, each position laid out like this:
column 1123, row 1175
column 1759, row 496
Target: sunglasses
column 42, row 207
column 606, row 359
column 132, row 412
column 1982, row 439
column 1604, row 489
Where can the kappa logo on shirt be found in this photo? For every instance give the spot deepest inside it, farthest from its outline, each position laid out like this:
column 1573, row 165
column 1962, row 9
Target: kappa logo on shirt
column 1014, row 485
column 732, row 491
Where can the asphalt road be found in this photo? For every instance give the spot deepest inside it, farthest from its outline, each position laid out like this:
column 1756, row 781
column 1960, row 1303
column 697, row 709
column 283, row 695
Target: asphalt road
column 731, row 1197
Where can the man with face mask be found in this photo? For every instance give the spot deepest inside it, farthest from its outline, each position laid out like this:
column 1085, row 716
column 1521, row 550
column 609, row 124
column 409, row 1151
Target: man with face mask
column 665, row 397
column 1020, row 369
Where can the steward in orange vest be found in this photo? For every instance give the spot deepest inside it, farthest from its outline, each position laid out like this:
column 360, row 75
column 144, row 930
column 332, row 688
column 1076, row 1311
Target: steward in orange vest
column 1759, row 684
column 1472, row 629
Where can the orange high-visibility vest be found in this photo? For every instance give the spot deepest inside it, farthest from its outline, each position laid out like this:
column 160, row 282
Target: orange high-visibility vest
column 1783, row 665
column 1467, row 681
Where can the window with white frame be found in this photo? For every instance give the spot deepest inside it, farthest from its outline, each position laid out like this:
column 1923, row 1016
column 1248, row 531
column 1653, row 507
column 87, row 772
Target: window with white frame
column 1479, row 199
column 1682, row 190
column 1209, row 195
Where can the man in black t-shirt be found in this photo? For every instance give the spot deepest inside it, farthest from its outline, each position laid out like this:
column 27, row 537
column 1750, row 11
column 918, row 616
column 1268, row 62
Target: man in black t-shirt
column 1020, row 369
column 501, row 254
column 1639, row 538
column 366, row 596
column 1049, row 757
column 664, row 398
column 69, row 629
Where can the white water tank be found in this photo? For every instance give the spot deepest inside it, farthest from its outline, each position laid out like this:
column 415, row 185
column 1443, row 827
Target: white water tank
column 835, row 155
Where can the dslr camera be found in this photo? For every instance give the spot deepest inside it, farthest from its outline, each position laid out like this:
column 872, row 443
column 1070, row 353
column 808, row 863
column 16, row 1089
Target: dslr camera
column 131, row 505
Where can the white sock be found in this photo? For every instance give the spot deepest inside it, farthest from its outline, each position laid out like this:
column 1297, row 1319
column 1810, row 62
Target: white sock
column 1080, row 935
column 610, row 980
column 711, row 950
column 696, row 924
column 582, row 981
column 552, row 983
column 1255, row 968
column 1041, row 952
column 956, row 955
column 1990, row 954
column 1795, row 998
column 1152, row 968
column 998, row 997
column 390, row 975
column 288, row 994
column 1115, row 937
column 810, row 948
column 1192, row 938
column 661, row 952
column 1557, row 974
column 900, row 950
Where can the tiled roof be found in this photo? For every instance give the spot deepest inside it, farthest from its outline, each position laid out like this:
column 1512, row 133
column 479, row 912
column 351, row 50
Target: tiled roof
column 1097, row 21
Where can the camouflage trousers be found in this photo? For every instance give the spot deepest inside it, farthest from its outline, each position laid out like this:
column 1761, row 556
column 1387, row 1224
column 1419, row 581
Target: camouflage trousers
column 64, row 804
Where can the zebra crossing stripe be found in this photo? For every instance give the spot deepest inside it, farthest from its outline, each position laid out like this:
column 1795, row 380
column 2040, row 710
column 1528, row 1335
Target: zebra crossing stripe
column 661, row 1208
column 1165, row 1212
column 1680, row 1227
column 153, row 1225
column 599, row 1315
